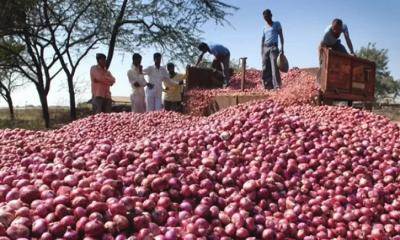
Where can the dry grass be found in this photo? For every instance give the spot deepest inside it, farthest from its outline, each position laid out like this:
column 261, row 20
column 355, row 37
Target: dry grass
column 391, row 113
column 31, row 118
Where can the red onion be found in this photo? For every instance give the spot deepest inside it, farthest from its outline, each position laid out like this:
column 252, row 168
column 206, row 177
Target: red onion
column 94, row 228
column 272, row 169
column 71, row 235
column 39, row 227
column 121, row 222
column 57, row 229
column 117, row 208
column 17, row 231
column 29, row 193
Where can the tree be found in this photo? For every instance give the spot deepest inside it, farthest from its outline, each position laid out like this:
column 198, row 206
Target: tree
column 172, row 26
column 8, row 79
column 8, row 84
column 385, row 83
column 235, row 64
column 73, row 30
column 13, row 15
column 33, row 60
column 56, row 36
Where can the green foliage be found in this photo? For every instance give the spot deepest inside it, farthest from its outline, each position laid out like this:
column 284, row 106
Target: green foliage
column 8, row 51
column 13, row 15
column 235, row 64
column 385, row 83
column 172, row 27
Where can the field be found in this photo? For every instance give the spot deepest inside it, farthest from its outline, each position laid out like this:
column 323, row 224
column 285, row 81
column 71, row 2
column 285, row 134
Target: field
column 390, row 111
column 31, row 118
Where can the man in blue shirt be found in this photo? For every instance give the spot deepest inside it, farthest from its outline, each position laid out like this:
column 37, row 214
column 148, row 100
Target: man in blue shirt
column 221, row 61
column 332, row 34
column 270, row 51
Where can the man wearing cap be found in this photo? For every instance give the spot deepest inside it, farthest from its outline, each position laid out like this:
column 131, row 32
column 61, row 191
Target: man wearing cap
column 221, row 61
column 101, row 80
column 332, row 34
column 270, row 51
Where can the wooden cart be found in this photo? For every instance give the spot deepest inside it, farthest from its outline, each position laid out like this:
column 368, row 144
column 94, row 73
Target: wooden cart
column 345, row 77
column 203, row 78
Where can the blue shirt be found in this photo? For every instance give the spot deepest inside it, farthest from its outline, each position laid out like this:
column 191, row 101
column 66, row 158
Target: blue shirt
column 271, row 33
column 218, row 50
column 329, row 38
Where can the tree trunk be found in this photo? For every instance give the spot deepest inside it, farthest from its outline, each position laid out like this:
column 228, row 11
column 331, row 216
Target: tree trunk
column 114, row 33
column 45, row 107
column 10, row 106
column 7, row 96
column 72, row 106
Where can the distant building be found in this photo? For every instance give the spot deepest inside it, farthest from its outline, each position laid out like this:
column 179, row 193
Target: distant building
column 119, row 104
column 386, row 100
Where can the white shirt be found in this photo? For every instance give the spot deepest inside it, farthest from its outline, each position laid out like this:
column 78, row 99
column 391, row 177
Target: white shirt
column 156, row 77
column 135, row 76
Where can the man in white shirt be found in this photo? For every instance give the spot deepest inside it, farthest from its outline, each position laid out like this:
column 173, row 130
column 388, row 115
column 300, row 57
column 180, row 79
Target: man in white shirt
column 137, row 81
column 157, row 74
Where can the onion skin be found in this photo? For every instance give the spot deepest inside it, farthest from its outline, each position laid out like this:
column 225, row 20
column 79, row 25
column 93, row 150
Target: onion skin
column 17, row 231
column 94, row 228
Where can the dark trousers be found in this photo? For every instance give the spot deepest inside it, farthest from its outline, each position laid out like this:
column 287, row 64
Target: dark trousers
column 101, row 104
column 338, row 47
column 270, row 75
column 216, row 64
column 173, row 106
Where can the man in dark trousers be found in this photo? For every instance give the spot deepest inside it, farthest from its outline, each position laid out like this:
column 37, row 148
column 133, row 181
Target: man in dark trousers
column 221, row 61
column 270, row 51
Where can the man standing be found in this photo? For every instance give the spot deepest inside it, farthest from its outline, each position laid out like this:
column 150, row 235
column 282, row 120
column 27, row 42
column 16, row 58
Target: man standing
column 332, row 34
column 173, row 89
column 137, row 81
column 102, row 80
column 270, row 51
column 157, row 74
column 331, row 40
column 222, row 58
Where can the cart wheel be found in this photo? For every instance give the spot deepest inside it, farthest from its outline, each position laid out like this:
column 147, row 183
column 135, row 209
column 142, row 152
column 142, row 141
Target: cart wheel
column 350, row 103
column 320, row 99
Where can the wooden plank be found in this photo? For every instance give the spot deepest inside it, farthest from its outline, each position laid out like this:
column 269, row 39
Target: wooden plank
column 244, row 98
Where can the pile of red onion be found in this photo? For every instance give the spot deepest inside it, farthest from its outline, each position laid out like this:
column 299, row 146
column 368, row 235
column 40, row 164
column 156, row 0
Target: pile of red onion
column 261, row 170
column 298, row 87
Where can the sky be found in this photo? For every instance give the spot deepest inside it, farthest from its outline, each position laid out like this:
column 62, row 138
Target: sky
column 303, row 23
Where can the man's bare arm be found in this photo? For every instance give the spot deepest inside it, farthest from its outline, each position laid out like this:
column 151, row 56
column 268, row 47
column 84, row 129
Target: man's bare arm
column 282, row 40
column 349, row 43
